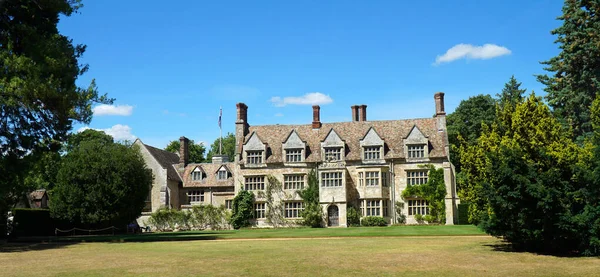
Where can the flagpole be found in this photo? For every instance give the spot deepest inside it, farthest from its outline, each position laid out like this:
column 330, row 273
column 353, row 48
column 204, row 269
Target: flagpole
column 220, row 131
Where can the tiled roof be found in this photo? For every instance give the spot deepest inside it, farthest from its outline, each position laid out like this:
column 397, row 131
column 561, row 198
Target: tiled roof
column 211, row 175
column 392, row 132
column 166, row 159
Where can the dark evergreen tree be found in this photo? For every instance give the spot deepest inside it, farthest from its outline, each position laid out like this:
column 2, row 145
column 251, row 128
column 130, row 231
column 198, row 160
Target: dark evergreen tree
column 575, row 72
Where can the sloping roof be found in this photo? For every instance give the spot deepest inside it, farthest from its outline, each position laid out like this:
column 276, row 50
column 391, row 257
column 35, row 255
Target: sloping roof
column 37, row 195
column 392, row 132
column 211, row 175
column 166, row 159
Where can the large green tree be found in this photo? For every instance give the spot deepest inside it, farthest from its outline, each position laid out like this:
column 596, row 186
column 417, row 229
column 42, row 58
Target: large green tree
column 531, row 184
column 228, row 147
column 575, row 73
column 39, row 98
column 101, row 182
column 196, row 150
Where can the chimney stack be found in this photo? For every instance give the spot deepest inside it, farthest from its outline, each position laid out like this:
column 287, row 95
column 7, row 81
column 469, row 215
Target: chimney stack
column 354, row 112
column 439, row 104
column 316, row 124
column 363, row 112
column 242, row 113
column 184, row 150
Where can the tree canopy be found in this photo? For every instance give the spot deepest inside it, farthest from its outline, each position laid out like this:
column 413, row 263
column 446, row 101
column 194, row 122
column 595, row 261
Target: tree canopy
column 196, row 150
column 101, row 182
column 39, row 97
column 228, row 147
column 574, row 78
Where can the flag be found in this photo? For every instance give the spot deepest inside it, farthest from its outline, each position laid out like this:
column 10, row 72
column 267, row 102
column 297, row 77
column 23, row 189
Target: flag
column 220, row 114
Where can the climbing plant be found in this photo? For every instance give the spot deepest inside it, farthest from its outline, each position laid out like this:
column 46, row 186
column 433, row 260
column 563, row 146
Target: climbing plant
column 275, row 213
column 434, row 192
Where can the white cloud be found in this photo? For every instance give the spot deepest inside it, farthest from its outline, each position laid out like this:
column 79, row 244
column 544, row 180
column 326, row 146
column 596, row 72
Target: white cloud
column 104, row 109
column 468, row 51
column 118, row 132
column 313, row 98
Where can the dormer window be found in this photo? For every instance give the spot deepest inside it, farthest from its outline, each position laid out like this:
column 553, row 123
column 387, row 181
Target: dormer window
column 333, row 154
column 254, row 157
column 293, row 148
column 293, row 155
column 197, row 174
column 372, row 146
column 416, row 145
column 416, row 151
column 254, row 151
column 222, row 174
column 372, row 153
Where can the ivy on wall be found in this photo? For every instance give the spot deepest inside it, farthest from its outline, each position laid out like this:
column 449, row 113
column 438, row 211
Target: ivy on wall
column 434, row 192
column 275, row 212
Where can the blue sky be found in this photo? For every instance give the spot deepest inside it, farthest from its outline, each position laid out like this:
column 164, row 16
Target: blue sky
column 172, row 64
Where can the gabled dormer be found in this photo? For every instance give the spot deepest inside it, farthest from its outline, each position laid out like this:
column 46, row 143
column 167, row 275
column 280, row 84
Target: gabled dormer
column 294, row 148
column 223, row 173
column 371, row 146
column 416, row 145
column 254, row 151
column 197, row 174
column 333, row 147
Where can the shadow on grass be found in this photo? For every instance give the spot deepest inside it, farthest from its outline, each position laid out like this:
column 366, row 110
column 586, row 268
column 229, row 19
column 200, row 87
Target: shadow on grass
column 23, row 244
column 505, row 246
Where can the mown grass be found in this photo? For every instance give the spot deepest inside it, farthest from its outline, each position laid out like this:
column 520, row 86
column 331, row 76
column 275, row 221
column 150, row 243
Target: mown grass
column 417, row 230
column 334, row 256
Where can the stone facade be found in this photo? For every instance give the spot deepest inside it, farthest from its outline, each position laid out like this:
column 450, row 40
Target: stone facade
column 359, row 163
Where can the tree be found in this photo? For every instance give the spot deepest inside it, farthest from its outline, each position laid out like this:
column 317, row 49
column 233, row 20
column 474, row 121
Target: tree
column 242, row 209
column 196, row 150
column 228, row 147
column 532, row 184
column 101, row 183
column 39, row 97
column 312, row 214
column 511, row 94
column 575, row 78
column 466, row 122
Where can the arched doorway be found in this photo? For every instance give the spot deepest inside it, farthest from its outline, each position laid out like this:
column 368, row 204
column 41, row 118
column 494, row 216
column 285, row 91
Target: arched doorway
column 333, row 216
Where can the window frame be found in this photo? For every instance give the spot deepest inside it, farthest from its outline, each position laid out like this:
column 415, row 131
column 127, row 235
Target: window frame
column 330, row 179
column 298, row 154
column 291, row 183
column 412, row 179
column 292, row 209
column 196, row 194
column 335, row 151
column 251, row 185
column 255, row 157
column 260, row 210
column 417, row 206
column 222, row 170
column 372, row 152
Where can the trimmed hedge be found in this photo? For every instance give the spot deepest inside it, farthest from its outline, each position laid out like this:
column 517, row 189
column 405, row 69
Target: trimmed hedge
column 32, row 222
column 463, row 213
column 373, row 221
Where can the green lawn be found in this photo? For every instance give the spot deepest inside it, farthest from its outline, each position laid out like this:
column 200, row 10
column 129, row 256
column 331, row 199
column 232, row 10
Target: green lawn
column 334, row 256
column 417, row 230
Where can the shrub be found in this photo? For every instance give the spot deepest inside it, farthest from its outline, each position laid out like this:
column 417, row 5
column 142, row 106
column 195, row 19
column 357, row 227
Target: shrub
column 353, row 217
column 401, row 217
column 242, row 210
column 32, row 222
column 312, row 216
column 166, row 219
column 373, row 221
column 463, row 213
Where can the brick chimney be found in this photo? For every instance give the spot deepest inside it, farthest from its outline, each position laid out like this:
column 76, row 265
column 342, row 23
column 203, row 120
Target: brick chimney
column 316, row 124
column 362, row 112
column 241, row 129
column 354, row 112
column 184, row 150
column 439, row 103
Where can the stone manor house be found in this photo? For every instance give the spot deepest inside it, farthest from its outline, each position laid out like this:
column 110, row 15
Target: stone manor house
column 360, row 163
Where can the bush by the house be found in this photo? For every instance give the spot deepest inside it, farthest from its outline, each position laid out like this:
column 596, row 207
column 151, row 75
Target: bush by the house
column 352, row 217
column 198, row 218
column 373, row 221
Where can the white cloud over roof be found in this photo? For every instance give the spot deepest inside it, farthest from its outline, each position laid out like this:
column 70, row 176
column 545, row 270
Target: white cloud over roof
column 313, row 98
column 468, row 51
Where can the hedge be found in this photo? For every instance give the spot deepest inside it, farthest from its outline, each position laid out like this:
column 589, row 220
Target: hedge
column 373, row 221
column 32, row 222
